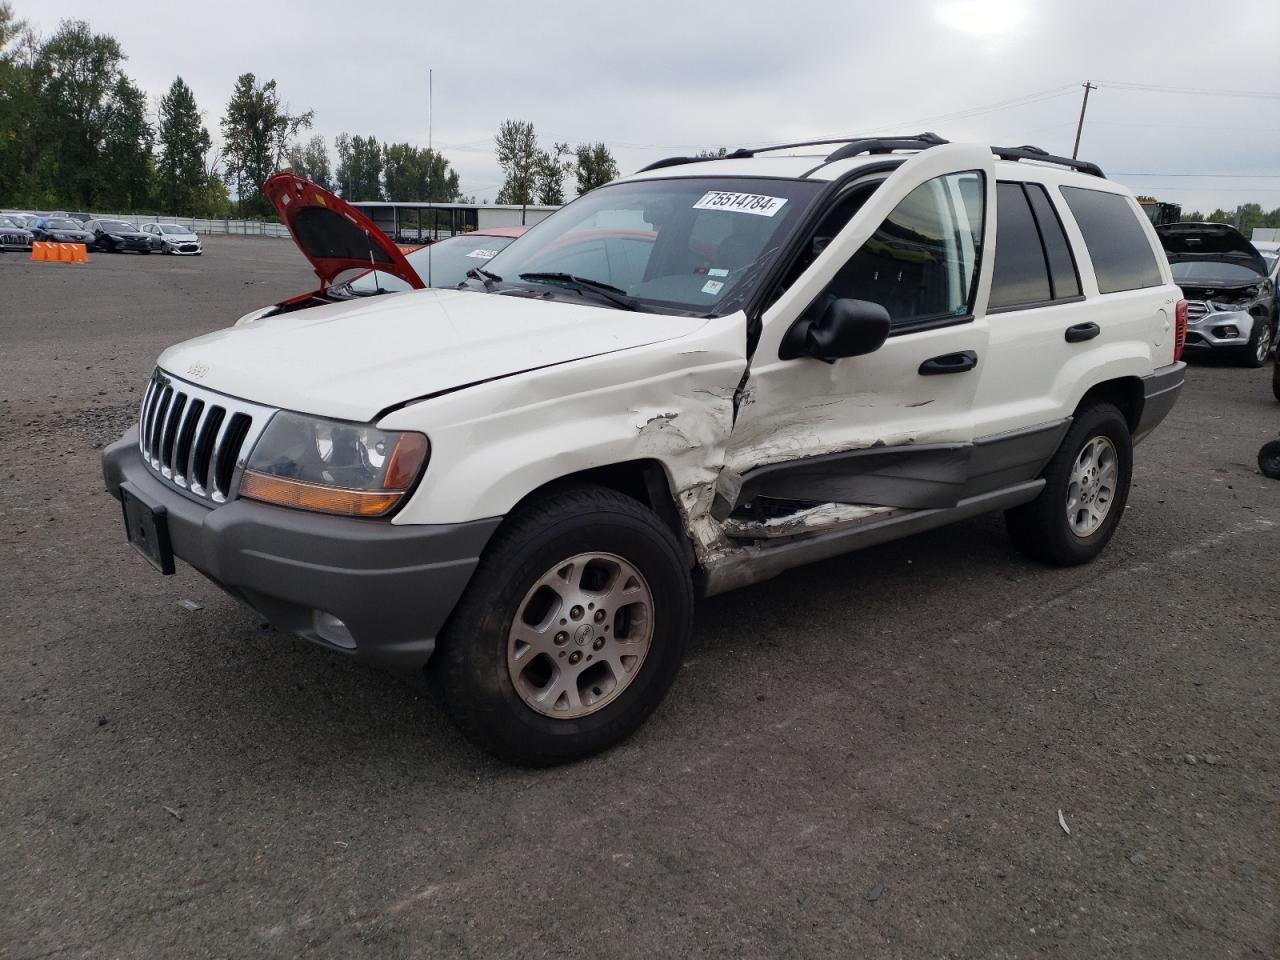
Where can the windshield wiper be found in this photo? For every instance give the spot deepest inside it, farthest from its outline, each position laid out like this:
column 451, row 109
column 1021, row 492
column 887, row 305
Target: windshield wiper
column 615, row 295
column 487, row 277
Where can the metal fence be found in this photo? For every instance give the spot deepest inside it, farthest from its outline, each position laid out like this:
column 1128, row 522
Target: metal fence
column 201, row 225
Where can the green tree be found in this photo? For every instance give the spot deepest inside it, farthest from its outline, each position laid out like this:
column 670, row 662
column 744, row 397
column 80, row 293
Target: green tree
column 359, row 167
column 516, row 146
column 594, row 166
column 257, row 130
column 94, row 140
column 418, row 174
column 181, row 174
column 19, row 108
column 310, row 161
column 549, row 173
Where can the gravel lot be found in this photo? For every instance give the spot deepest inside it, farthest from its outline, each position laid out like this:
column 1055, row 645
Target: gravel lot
column 862, row 758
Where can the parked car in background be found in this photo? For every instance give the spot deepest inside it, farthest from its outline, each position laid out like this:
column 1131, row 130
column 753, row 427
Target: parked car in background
column 14, row 235
column 24, row 220
column 119, row 236
column 1231, row 299
column 175, row 239
column 61, row 230
column 80, row 217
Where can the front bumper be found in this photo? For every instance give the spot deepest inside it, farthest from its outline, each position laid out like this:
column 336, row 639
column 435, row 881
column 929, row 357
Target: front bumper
column 184, row 249
column 1160, row 392
column 1208, row 332
column 392, row 586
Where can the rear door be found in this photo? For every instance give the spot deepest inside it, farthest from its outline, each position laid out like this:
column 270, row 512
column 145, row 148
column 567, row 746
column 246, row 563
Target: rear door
column 894, row 427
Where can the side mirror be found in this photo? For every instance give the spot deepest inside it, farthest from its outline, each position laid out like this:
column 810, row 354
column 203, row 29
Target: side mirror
column 846, row 328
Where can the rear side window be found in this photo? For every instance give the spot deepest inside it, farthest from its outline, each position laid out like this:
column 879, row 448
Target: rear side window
column 1121, row 254
column 1021, row 275
column 1033, row 258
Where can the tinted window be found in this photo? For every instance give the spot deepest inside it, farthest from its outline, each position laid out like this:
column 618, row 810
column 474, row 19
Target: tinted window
column 921, row 263
column 1021, row 274
column 1121, row 253
column 1062, row 265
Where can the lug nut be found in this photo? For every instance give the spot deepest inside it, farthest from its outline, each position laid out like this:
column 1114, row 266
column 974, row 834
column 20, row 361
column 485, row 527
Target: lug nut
column 575, row 656
column 561, row 638
column 598, row 644
column 600, row 616
column 576, row 613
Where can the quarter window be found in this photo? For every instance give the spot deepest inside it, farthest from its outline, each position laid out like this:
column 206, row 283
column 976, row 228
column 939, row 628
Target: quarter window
column 1118, row 246
column 1033, row 258
column 921, row 264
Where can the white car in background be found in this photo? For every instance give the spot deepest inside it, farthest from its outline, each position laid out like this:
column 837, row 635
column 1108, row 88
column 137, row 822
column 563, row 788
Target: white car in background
column 175, row 239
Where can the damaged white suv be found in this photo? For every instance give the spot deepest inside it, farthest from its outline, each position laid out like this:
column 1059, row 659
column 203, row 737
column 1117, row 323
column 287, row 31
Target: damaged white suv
column 684, row 382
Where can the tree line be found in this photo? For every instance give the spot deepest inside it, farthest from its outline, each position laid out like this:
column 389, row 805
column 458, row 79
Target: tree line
column 1245, row 217
column 76, row 133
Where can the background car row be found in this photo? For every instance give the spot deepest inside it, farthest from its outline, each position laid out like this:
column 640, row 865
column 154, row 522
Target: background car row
column 18, row 231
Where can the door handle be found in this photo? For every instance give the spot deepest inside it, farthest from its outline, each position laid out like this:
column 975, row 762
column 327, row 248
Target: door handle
column 949, row 363
column 1082, row 332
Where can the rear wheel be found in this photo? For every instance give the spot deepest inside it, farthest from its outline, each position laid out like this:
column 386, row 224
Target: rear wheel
column 571, row 630
column 1086, row 487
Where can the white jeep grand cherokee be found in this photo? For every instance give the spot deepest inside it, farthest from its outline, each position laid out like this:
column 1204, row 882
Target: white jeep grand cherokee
column 684, row 382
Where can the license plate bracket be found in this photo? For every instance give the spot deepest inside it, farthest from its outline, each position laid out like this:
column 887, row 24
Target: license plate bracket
column 147, row 527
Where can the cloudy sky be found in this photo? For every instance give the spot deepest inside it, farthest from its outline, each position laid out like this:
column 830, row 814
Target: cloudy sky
column 660, row 78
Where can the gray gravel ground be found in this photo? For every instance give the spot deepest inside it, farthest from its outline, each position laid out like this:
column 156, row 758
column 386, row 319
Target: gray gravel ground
column 862, row 758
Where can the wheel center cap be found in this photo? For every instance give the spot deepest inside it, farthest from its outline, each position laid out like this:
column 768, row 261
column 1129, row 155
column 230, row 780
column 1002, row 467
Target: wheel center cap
column 582, row 636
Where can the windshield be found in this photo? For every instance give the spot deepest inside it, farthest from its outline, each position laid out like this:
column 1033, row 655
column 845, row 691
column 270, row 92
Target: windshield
column 8, row 222
column 117, row 226
column 172, row 228
column 1211, row 271
column 687, row 245
column 61, row 224
column 450, row 259
column 1270, row 257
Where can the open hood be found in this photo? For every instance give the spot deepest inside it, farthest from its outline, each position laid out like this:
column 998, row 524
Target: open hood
column 1209, row 242
column 332, row 234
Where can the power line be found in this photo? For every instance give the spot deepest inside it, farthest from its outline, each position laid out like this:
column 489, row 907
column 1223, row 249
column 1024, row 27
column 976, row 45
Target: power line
column 1239, row 176
column 1191, row 91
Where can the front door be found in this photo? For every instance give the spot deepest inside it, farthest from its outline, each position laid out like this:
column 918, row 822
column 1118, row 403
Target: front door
column 892, row 428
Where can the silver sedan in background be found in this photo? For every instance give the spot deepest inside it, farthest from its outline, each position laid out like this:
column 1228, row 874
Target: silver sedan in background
column 175, row 239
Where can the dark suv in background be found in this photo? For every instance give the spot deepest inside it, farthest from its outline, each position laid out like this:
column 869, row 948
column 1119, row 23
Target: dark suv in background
column 1231, row 300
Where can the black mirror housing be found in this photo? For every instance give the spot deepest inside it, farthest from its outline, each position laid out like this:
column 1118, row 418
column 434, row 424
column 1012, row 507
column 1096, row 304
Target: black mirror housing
column 846, row 328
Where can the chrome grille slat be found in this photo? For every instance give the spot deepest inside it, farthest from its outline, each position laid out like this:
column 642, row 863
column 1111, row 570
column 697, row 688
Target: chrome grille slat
column 1196, row 310
column 196, row 440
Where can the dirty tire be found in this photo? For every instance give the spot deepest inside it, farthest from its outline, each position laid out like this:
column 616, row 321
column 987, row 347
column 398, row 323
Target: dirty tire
column 1040, row 529
column 469, row 670
column 1269, row 459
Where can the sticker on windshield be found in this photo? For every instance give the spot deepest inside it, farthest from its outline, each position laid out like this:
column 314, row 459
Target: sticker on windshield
column 712, row 287
column 756, row 203
column 483, row 254
column 717, row 272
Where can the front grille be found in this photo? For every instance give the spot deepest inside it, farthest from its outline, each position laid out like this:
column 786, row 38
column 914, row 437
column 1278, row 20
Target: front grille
column 197, row 440
column 13, row 240
column 1196, row 309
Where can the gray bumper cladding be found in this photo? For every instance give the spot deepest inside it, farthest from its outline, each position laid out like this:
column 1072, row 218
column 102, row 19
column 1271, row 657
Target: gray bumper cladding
column 1159, row 393
column 393, row 587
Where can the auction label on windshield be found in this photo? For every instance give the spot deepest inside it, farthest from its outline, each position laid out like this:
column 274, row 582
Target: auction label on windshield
column 756, row 203
column 483, row 254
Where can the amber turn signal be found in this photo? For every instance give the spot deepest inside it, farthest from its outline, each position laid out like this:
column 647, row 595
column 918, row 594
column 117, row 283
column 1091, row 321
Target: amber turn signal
column 311, row 496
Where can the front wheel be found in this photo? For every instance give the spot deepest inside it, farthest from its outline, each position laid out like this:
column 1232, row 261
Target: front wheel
column 571, row 630
column 1086, row 487
column 1259, row 348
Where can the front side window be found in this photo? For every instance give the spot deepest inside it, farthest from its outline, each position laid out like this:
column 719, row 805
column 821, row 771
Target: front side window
column 695, row 245
column 1113, row 234
column 921, row 264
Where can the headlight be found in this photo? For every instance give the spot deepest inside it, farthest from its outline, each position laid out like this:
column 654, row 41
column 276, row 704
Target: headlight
column 332, row 467
column 1227, row 307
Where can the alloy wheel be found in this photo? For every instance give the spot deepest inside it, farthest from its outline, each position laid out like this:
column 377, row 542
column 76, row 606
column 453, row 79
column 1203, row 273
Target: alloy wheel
column 1092, row 486
column 580, row 635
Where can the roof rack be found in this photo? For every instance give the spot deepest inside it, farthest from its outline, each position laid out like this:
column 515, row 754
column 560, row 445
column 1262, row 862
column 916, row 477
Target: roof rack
column 848, row 147
column 854, row 146
column 1028, row 152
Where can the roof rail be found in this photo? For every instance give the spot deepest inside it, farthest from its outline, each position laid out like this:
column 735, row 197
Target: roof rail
column 1028, row 152
column 849, row 147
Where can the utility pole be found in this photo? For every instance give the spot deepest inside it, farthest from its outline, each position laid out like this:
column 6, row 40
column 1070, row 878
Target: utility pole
column 1080, row 126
